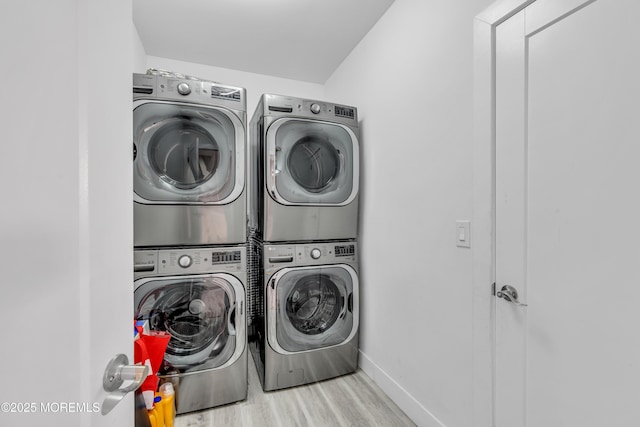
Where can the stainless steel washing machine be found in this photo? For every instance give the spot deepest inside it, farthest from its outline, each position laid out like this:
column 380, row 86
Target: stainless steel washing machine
column 189, row 159
column 305, row 324
column 304, row 169
column 198, row 296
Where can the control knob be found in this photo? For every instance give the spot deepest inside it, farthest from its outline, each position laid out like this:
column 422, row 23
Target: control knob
column 315, row 108
column 315, row 253
column 184, row 89
column 185, row 261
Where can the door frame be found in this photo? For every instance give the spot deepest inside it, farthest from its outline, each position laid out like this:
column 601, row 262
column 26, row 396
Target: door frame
column 483, row 217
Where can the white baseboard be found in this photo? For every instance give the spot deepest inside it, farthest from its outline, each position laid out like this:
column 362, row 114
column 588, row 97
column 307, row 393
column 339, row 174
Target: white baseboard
column 414, row 410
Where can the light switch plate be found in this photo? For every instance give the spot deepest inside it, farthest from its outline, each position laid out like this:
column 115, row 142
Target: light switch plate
column 463, row 233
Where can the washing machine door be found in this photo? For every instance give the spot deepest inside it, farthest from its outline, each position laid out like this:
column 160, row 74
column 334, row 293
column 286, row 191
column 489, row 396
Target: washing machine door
column 186, row 154
column 311, row 162
column 312, row 307
column 204, row 314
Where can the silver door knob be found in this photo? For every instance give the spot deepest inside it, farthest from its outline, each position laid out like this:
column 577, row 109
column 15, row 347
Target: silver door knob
column 510, row 294
column 118, row 372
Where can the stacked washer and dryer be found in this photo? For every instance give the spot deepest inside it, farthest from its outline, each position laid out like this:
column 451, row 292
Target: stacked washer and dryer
column 304, row 287
column 190, row 232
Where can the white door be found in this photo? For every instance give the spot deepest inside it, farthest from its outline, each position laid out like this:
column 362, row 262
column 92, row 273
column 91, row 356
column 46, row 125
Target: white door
column 66, row 217
column 567, row 178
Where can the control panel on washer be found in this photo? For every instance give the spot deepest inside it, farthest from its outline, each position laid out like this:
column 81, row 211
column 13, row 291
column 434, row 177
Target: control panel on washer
column 188, row 261
column 310, row 254
column 325, row 253
column 279, row 255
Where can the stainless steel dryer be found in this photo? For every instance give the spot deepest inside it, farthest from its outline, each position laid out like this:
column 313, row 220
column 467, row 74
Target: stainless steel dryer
column 198, row 296
column 189, row 159
column 305, row 327
column 305, row 170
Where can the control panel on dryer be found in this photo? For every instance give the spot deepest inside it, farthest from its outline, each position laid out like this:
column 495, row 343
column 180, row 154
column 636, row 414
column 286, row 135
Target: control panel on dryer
column 188, row 89
column 317, row 110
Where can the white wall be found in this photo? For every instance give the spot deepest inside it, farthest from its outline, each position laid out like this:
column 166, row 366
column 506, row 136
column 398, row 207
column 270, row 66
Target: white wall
column 256, row 84
column 139, row 53
column 412, row 80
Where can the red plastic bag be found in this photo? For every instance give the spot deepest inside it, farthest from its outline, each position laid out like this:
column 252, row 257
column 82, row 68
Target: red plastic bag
column 149, row 350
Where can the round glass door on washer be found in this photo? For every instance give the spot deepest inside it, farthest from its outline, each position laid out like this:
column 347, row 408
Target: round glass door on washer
column 189, row 162
column 312, row 308
column 311, row 314
column 309, row 157
column 204, row 314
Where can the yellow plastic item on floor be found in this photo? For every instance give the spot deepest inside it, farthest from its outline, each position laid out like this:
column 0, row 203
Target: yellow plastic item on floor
column 168, row 402
column 158, row 408
column 152, row 418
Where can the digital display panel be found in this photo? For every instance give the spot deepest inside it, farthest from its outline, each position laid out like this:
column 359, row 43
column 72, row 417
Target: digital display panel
column 226, row 93
column 346, row 250
column 349, row 113
column 226, row 257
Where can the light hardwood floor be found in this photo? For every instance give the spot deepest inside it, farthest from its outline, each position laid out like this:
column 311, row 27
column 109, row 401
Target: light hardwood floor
column 350, row 400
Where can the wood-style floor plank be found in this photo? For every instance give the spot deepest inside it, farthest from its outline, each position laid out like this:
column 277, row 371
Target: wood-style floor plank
column 351, row 400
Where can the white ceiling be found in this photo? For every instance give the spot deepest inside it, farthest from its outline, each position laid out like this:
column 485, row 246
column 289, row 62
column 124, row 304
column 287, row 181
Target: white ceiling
column 295, row 39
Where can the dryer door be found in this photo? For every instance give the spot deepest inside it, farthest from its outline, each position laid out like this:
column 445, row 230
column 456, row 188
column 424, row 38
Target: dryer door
column 311, row 162
column 186, row 154
column 203, row 314
column 312, row 307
